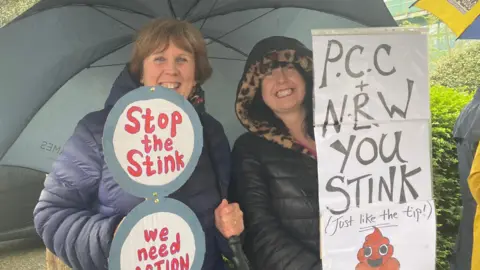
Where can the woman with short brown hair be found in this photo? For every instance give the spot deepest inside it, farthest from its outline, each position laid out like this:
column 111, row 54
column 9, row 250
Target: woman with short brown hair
column 184, row 35
column 81, row 205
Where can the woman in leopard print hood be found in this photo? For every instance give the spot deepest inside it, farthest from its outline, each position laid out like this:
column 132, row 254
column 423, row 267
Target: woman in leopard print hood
column 274, row 162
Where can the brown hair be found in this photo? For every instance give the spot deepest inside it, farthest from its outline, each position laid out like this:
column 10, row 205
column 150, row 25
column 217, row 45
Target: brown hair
column 158, row 33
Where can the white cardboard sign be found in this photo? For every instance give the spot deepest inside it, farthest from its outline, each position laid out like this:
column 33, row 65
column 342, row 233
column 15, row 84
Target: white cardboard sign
column 372, row 129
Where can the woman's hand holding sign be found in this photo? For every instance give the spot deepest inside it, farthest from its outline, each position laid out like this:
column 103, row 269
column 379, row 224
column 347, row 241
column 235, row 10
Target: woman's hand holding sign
column 229, row 219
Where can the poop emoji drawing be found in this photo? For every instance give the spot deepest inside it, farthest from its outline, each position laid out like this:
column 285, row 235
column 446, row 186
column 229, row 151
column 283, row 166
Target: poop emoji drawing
column 376, row 253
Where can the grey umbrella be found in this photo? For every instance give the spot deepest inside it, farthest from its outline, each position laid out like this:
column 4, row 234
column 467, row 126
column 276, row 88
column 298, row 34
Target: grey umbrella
column 58, row 61
column 466, row 133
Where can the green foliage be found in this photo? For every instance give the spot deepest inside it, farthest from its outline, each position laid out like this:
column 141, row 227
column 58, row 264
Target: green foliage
column 456, row 72
column 446, row 104
column 460, row 68
column 10, row 9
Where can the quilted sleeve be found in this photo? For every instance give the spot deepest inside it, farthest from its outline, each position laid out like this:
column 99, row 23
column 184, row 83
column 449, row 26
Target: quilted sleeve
column 64, row 217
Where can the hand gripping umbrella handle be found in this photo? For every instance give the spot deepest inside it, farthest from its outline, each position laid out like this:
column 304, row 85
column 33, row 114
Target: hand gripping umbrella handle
column 239, row 259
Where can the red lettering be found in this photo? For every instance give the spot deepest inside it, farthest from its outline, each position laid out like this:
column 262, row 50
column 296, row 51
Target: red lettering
column 148, row 164
column 181, row 263
column 146, row 144
column 163, row 165
column 152, row 253
column 168, row 144
column 179, row 161
column 185, row 264
column 176, row 119
column 158, row 264
column 150, row 235
column 162, row 120
column 164, row 234
column 136, row 171
column 159, row 165
column 169, row 159
column 175, row 247
column 136, row 127
column 163, row 250
column 157, row 143
column 142, row 254
column 149, row 128
column 174, row 264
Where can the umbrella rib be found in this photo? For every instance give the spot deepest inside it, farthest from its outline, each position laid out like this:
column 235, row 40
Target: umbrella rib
column 172, row 10
column 227, row 45
column 23, row 16
column 226, row 58
column 243, row 25
column 113, row 18
column 108, row 65
column 191, row 8
column 210, row 11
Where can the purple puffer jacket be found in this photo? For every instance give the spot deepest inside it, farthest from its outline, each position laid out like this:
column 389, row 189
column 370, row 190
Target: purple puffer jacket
column 81, row 205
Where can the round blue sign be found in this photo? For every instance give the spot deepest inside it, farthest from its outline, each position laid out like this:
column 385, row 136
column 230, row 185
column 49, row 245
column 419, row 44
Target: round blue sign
column 152, row 141
column 158, row 234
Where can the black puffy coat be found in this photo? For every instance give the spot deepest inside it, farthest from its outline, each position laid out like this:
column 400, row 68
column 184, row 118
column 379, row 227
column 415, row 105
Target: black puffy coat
column 278, row 192
column 274, row 178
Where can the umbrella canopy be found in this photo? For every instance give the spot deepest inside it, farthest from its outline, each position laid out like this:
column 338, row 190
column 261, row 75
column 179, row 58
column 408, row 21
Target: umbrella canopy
column 59, row 60
column 460, row 15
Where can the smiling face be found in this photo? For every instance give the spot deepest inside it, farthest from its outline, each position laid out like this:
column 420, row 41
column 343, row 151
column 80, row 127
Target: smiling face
column 170, row 67
column 283, row 89
column 376, row 250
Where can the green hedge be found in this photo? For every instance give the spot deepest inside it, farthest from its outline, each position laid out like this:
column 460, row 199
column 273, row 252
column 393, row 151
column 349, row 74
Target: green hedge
column 459, row 68
column 446, row 104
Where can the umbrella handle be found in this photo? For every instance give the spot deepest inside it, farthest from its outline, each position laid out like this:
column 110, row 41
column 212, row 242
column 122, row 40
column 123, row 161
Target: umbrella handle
column 239, row 259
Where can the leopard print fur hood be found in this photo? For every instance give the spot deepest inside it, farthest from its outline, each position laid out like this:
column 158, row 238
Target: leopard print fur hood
column 266, row 55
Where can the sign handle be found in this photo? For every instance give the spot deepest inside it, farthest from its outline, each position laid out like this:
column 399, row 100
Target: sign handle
column 240, row 261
